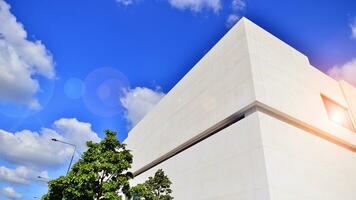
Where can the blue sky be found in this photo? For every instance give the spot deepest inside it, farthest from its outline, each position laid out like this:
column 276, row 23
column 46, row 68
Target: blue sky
column 70, row 69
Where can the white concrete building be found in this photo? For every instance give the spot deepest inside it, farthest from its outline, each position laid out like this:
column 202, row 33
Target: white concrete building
column 252, row 120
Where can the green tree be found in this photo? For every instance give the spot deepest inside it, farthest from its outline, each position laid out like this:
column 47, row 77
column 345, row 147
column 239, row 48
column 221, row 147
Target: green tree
column 155, row 188
column 101, row 173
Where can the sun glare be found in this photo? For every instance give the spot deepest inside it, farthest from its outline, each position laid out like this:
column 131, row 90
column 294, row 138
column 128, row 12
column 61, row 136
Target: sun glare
column 338, row 117
column 337, row 113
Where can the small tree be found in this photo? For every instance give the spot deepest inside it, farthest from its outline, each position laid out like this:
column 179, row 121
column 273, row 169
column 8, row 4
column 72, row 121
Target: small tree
column 155, row 188
column 101, row 173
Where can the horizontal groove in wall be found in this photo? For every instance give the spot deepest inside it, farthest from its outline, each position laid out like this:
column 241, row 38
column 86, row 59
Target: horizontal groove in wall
column 304, row 126
column 200, row 137
column 253, row 107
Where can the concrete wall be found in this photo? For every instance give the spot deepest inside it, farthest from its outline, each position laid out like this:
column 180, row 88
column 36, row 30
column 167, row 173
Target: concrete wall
column 284, row 80
column 301, row 165
column 279, row 151
column 227, row 165
column 217, row 86
column 350, row 96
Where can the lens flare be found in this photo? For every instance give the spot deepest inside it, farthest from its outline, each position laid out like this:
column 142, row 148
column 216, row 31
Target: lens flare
column 103, row 88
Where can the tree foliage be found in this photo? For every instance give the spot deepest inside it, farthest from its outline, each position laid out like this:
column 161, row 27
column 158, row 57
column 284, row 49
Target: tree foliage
column 101, row 173
column 155, row 188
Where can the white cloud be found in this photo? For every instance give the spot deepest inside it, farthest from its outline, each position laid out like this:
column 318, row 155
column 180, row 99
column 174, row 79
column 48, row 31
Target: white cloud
column 20, row 60
column 353, row 29
column 76, row 132
column 33, row 148
column 193, row 5
column 231, row 20
column 345, row 72
column 20, row 175
column 138, row 102
column 196, row 5
column 125, row 2
column 237, row 7
column 10, row 193
column 36, row 149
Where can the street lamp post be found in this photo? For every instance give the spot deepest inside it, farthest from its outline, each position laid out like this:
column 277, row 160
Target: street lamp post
column 73, row 145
